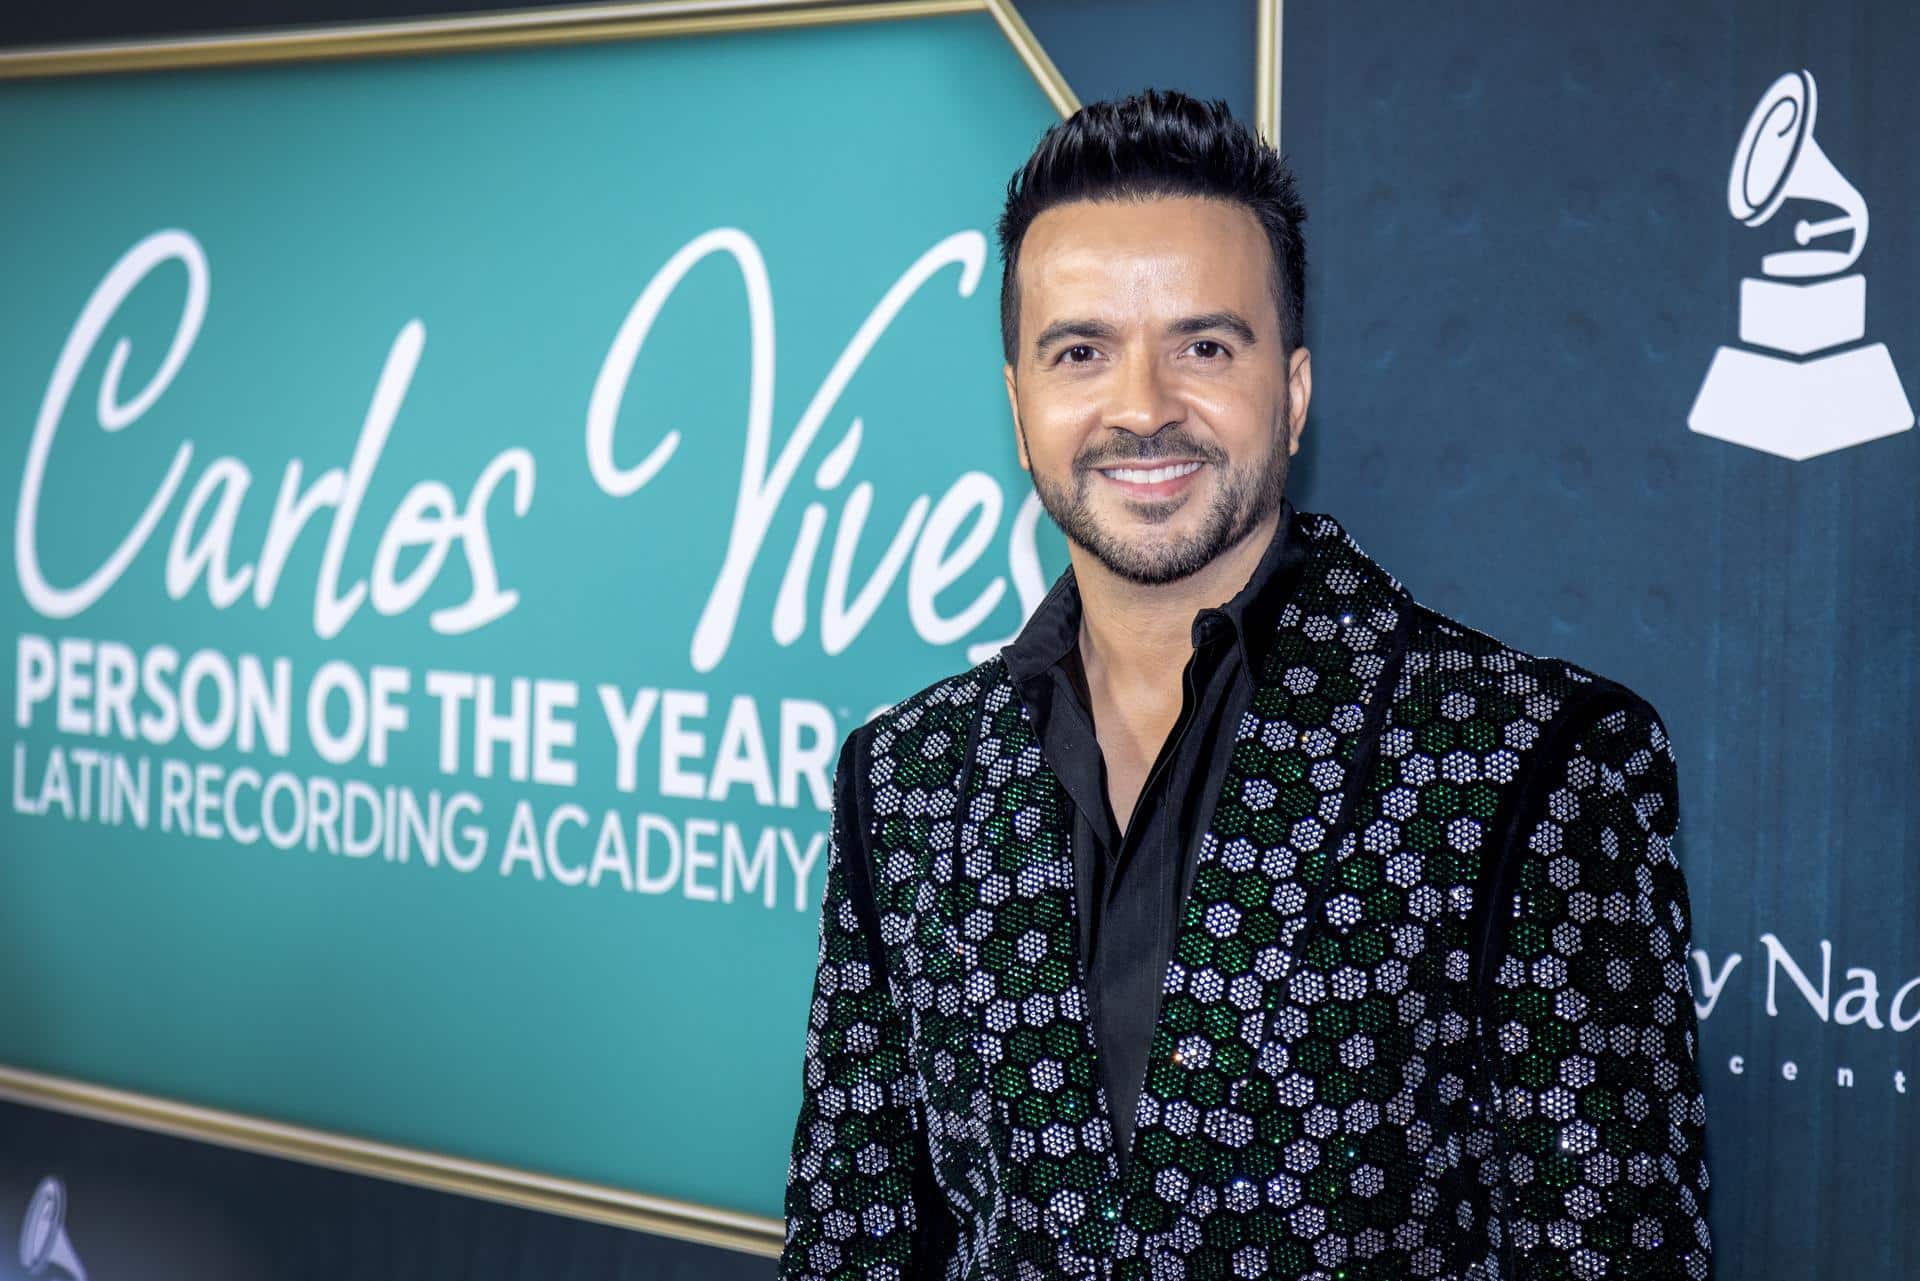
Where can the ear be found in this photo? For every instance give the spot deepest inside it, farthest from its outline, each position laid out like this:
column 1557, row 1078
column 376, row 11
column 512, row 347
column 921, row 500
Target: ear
column 1013, row 404
column 1299, row 392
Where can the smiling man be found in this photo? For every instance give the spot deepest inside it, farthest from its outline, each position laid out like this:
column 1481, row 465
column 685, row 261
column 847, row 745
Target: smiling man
column 1243, row 917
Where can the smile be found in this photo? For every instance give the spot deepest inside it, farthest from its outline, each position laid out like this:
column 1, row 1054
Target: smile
column 1150, row 475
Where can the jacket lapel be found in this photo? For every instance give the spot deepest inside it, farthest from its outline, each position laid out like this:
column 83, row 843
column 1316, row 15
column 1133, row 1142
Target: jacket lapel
column 1273, row 846
column 1266, row 870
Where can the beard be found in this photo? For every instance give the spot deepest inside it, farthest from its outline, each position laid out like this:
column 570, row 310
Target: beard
column 1242, row 497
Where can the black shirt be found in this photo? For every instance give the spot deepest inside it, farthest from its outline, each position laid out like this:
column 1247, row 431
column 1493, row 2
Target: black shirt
column 1129, row 890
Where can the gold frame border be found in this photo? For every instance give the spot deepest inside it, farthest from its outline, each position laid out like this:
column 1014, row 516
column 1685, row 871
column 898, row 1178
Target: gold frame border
column 518, row 29
column 501, row 29
column 594, row 1201
column 1268, row 30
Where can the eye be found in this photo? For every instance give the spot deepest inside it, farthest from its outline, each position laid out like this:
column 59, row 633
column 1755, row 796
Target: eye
column 1078, row 354
column 1207, row 349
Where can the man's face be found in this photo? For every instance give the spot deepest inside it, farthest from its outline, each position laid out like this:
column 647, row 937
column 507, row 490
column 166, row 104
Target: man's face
column 1155, row 409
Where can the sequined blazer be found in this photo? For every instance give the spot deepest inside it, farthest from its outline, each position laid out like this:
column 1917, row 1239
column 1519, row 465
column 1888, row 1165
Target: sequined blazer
column 1428, row 1012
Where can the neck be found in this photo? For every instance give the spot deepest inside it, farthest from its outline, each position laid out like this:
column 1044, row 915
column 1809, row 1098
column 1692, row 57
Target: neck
column 1134, row 634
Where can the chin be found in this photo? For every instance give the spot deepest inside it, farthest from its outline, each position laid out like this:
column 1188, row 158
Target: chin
column 1149, row 559
column 1159, row 573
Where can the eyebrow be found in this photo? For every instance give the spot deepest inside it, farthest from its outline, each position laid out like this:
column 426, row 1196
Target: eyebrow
column 1060, row 330
column 1229, row 321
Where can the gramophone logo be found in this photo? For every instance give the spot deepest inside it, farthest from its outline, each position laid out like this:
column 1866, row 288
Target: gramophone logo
column 1804, row 383
column 44, row 1247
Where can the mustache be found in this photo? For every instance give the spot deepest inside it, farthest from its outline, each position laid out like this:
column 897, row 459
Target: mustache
column 1123, row 447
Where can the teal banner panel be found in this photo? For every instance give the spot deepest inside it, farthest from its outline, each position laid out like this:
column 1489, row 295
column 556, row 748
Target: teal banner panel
column 458, row 503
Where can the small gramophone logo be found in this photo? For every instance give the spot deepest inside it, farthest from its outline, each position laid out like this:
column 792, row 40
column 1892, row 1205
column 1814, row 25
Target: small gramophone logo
column 45, row 1250
column 1804, row 382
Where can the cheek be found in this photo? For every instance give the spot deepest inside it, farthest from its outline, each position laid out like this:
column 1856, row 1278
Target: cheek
column 1057, row 427
column 1052, row 455
column 1244, row 422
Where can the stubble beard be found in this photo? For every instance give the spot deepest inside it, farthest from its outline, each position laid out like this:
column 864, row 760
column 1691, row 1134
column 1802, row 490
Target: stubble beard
column 1242, row 497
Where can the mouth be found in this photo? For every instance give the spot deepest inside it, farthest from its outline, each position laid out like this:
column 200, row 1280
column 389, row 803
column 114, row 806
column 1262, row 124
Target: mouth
column 1162, row 480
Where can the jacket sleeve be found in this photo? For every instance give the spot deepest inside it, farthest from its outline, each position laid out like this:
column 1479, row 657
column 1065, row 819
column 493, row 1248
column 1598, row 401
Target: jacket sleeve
column 1590, row 1019
column 859, row 1150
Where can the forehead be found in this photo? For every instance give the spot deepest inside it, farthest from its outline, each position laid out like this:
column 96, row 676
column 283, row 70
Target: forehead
column 1173, row 252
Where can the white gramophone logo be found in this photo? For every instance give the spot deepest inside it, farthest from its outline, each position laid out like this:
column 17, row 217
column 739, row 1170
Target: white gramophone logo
column 44, row 1247
column 1784, row 398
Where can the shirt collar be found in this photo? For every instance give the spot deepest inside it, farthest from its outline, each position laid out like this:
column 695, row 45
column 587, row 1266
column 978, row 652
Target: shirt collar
column 1247, row 620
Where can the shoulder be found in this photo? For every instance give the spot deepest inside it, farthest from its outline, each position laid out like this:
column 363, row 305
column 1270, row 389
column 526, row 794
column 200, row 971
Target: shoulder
column 933, row 722
column 959, row 695
column 1452, row 672
column 1460, row 673
column 1588, row 758
column 1539, row 699
column 908, row 762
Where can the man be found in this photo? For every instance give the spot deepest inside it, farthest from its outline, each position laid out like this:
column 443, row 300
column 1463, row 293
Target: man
column 1243, row 917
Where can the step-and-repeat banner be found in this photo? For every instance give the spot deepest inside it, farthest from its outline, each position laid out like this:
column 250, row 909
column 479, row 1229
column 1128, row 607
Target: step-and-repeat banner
column 460, row 501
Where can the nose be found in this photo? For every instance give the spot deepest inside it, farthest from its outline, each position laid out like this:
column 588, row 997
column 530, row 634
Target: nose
column 1142, row 401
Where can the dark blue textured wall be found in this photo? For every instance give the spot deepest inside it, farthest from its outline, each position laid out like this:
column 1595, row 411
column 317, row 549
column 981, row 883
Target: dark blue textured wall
column 1523, row 262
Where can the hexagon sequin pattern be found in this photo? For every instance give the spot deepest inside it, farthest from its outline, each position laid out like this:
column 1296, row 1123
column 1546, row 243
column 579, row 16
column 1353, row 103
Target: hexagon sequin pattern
column 1427, row 1014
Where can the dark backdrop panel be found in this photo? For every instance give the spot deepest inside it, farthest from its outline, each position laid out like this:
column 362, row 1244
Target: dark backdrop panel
column 1523, row 262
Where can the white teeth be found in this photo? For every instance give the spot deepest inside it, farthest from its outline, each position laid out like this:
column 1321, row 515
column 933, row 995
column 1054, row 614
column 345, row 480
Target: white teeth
column 1151, row 476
